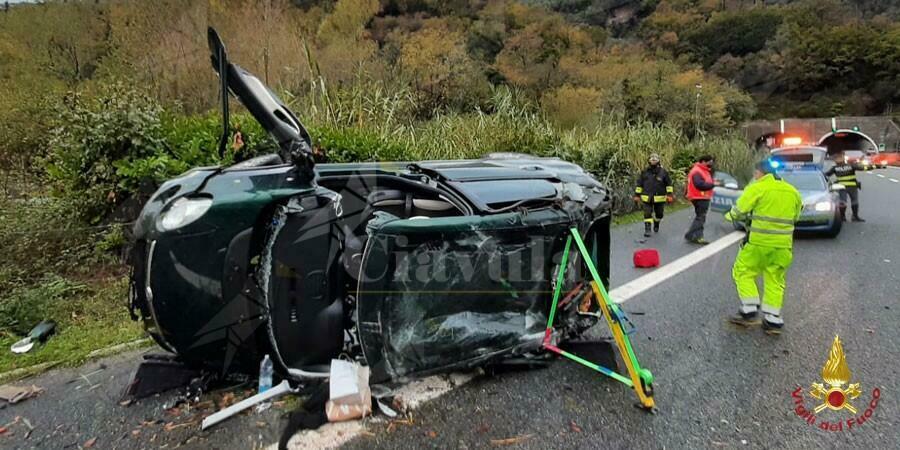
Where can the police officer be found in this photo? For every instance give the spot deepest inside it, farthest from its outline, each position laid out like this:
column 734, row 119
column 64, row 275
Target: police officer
column 654, row 189
column 769, row 207
column 846, row 175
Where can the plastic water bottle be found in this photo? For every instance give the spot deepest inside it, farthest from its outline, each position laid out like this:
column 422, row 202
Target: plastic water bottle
column 265, row 374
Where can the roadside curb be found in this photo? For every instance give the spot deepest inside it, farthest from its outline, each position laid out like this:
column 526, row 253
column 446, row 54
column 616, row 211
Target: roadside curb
column 106, row 351
column 24, row 372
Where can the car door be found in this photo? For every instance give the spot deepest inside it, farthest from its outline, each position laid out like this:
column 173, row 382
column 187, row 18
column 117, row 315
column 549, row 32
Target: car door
column 726, row 194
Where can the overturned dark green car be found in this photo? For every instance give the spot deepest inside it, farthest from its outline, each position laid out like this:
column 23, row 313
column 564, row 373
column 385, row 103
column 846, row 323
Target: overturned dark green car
column 411, row 268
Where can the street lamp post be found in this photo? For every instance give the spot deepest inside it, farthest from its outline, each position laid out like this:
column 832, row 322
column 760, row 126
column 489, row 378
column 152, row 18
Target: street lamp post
column 699, row 88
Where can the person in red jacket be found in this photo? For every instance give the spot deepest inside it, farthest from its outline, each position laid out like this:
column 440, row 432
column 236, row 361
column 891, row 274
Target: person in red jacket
column 700, row 184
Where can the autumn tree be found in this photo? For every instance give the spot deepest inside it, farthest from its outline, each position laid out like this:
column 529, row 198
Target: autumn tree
column 441, row 71
column 531, row 56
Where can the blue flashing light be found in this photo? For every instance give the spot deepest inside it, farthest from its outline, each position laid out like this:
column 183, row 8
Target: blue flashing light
column 774, row 164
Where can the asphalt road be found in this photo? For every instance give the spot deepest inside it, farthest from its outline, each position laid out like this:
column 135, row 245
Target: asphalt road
column 716, row 386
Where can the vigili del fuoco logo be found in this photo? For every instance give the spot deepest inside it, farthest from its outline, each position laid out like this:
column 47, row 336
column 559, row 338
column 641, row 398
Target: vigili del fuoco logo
column 832, row 395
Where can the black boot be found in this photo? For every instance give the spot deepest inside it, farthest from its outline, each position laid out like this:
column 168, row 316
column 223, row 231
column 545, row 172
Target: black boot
column 843, row 213
column 656, row 226
column 772, row 324
column 745, row 319
column 646, row 229
column 856, row 217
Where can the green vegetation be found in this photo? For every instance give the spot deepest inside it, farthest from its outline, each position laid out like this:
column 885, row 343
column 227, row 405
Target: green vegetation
column 56, row 267
column 101, row 101
column 805, row 58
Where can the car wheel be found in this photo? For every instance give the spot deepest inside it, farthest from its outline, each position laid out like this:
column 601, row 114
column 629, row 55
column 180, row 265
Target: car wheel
column 835, row 227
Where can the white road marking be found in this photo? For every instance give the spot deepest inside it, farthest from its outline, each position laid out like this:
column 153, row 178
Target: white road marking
column 879, row 175
column 894, row 180
column 332, row 435
column 635, row 287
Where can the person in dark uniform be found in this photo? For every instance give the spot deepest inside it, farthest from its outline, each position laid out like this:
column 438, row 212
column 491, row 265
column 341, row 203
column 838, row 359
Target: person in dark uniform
column 845, row 173
column 653, row 190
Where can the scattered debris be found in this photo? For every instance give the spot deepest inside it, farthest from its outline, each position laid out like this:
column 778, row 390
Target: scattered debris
column 393, row 424
column 160, row 373
column 172, row 426
column 512, row 440
column 573, row 427
column 39, row 333
column 349, row 394
column 7, row 428
column 385, row 409
column 16, row 394
column 432, row 434
column 280, row 389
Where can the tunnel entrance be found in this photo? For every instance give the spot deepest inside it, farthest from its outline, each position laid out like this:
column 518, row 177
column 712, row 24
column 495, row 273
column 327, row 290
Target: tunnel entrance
column 841, row 140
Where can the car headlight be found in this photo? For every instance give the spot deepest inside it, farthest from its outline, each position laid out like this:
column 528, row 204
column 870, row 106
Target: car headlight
column 823, row 206
column 184, row 211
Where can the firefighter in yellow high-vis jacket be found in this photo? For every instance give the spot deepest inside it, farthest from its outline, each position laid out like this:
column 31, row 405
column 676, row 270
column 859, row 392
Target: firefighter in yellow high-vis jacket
column 769, row 207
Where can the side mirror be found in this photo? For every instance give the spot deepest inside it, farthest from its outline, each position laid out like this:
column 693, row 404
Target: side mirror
column 837, row 187
column 731, row 185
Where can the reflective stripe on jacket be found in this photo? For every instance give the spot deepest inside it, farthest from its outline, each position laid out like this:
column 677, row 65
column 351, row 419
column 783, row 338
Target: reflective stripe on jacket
column 771, row 206
column 845, row 174
column 654, row 185
column 694, row 192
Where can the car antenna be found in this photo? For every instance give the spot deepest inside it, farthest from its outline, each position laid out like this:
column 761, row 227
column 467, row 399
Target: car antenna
column 220, row 62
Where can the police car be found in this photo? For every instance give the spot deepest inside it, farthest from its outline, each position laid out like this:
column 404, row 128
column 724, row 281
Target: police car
column 802, row 168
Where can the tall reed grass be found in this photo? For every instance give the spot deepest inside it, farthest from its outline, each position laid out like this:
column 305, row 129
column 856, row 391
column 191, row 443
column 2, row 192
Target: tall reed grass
column 373, row 124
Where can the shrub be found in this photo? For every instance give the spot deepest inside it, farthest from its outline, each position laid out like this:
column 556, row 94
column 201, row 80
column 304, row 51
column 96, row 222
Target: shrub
column 104, row 149
column 95, row 135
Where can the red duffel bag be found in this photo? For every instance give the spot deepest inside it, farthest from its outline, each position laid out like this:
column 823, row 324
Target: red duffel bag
column 646, row 257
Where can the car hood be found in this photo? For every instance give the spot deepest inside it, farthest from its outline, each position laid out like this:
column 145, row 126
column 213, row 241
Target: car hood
column 813, row 197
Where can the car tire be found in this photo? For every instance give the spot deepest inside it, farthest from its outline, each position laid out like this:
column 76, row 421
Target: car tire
column 835, row 229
